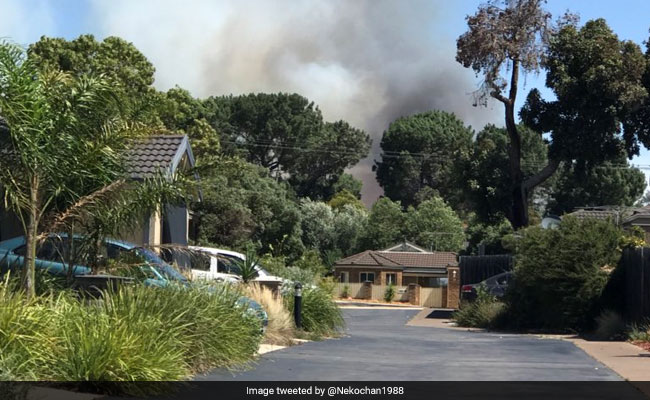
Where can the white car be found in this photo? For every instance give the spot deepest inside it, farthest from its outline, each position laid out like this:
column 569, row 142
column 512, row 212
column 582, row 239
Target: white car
column 223, row 266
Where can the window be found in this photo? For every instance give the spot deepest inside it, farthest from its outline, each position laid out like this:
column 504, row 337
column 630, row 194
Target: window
column 367, row 277
column 391, row 279
column 344, row 277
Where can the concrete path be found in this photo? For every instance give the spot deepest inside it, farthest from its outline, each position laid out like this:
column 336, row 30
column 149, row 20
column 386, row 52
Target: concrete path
column 379, row 345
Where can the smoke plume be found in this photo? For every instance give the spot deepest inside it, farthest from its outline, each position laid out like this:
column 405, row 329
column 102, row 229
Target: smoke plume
column 364, row 61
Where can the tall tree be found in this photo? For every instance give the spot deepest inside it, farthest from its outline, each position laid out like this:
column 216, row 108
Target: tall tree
column 420, row 151
column 286, row 134
column 508, row 36
column 609, row 183
column 434, row 225
column 385, row 225
column 487, row 175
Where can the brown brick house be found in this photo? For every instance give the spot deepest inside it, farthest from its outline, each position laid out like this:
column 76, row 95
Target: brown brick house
column 400, row 265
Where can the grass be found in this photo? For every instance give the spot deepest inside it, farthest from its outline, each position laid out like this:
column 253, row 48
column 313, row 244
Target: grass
column 321, row 316
column 281, row 328
column 133, row 334
column 483, row 312
column 640, row 332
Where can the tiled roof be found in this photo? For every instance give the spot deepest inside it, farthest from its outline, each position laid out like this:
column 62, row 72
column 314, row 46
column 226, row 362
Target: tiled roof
column 436, row 259
column 153, row 154
column 595, row 214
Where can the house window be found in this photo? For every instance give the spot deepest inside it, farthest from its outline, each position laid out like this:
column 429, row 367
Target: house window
column 391, row 279
column 367, row 277
column 344, row 277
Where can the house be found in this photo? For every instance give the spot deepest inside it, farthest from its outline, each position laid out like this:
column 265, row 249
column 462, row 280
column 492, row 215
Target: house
column 400, row 265
column 625, row 217
column 640, row 217
column 152, row 155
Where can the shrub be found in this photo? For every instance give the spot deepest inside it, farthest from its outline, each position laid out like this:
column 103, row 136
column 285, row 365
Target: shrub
column 610, row 325
column 328, row 285
column 320, row 314
column 389, row 294
column 280, row 329
column 640, row 332
column 346, row 291
column 133, row 334
column 484, row 312
column 561, row 273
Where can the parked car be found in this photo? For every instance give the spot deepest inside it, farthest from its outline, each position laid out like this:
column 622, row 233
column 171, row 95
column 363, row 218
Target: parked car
column 495, row 285
column 224, row 266
column 154, row 271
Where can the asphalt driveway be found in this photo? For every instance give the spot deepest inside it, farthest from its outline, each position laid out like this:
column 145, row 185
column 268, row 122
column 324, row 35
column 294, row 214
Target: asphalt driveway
column 379, row 346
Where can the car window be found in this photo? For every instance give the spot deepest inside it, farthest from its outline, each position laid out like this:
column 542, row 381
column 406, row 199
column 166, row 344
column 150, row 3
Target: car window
column 228, row 264
column 201, row 261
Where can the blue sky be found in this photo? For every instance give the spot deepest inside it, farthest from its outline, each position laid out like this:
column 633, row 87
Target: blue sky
column 365, row 61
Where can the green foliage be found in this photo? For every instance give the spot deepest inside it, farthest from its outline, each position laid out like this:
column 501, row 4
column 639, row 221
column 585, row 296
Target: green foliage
column 345, row 293
column 421, row 151
column 133, row 334
column 349, row 183
column 389, row 294
column 561, row 273
column 311, row 261
column 247, row 270
column 435, row 225
column 597, row 80
column 385, row 224
column 345, row 198
column 487, row 176
column 320, row 314
column 608, row 183
column 328, row 285
column 487, row 235
column 484, row 312
column 640, row 332
column 286, row 134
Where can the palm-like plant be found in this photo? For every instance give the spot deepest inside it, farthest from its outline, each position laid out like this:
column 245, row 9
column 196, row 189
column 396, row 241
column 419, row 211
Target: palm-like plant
column 62, row 141
column 247, row 266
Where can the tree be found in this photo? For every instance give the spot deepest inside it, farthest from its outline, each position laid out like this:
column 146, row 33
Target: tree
column 421, row 151
column 610, row 183
column 598, row 85
column 62, row 134
column 487, row 174
column 317, row 225
column 435, row 225
column 242, row 203
column 349, row 225
column 119, row 61
column 345, row 198
column 515, row 37
column 486, row 238
column 349, row 183
column 385, row 224
column 286, row 134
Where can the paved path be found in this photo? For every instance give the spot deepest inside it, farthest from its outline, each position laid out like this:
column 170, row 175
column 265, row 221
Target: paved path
column 379, row 346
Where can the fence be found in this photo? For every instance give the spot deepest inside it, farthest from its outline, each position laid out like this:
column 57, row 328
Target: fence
column 474, row 269
column 636, row 270
column 429, row 297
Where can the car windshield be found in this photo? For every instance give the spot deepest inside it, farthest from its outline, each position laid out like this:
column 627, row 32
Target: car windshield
column 167, row 270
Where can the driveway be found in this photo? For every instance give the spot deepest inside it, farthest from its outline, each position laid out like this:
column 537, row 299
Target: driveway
column 379, row 346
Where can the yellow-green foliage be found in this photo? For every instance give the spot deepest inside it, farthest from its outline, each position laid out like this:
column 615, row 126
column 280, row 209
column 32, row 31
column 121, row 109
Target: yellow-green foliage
column 280, row 329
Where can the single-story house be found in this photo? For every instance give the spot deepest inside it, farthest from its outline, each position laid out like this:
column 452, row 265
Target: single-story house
column 640, row 217
column 400, row 265
column 168, row 154
column 625, row 217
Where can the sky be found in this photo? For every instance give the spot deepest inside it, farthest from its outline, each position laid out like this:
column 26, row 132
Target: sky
column 364, row 61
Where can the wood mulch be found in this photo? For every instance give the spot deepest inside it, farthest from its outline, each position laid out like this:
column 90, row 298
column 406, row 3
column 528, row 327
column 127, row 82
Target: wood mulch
column 644, row 345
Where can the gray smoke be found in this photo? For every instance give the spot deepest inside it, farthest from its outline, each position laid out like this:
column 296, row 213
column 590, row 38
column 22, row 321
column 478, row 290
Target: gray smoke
column 364, row 61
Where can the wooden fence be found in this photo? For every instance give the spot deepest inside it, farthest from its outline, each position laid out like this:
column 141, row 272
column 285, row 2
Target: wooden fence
column 636, row 270
column 431, row 297
column 475, row 269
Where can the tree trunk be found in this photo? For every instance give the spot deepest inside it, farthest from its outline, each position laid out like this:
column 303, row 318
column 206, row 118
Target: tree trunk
column 29, row 267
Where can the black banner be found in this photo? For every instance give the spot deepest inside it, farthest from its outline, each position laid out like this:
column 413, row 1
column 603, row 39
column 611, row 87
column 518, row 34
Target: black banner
column 327, row 390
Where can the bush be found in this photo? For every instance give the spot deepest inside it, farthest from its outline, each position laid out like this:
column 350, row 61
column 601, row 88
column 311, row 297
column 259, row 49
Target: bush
column 133, row 334
column 560, row 274
column 484, row 312
column 346, row 291
column 328, row 285
column 640, row 332
column 280, row 330
column 389, row 294
column 320, row 314
column 609, row 326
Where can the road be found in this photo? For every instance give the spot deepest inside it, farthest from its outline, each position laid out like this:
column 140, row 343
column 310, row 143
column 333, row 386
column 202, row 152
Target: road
column 377, row 345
